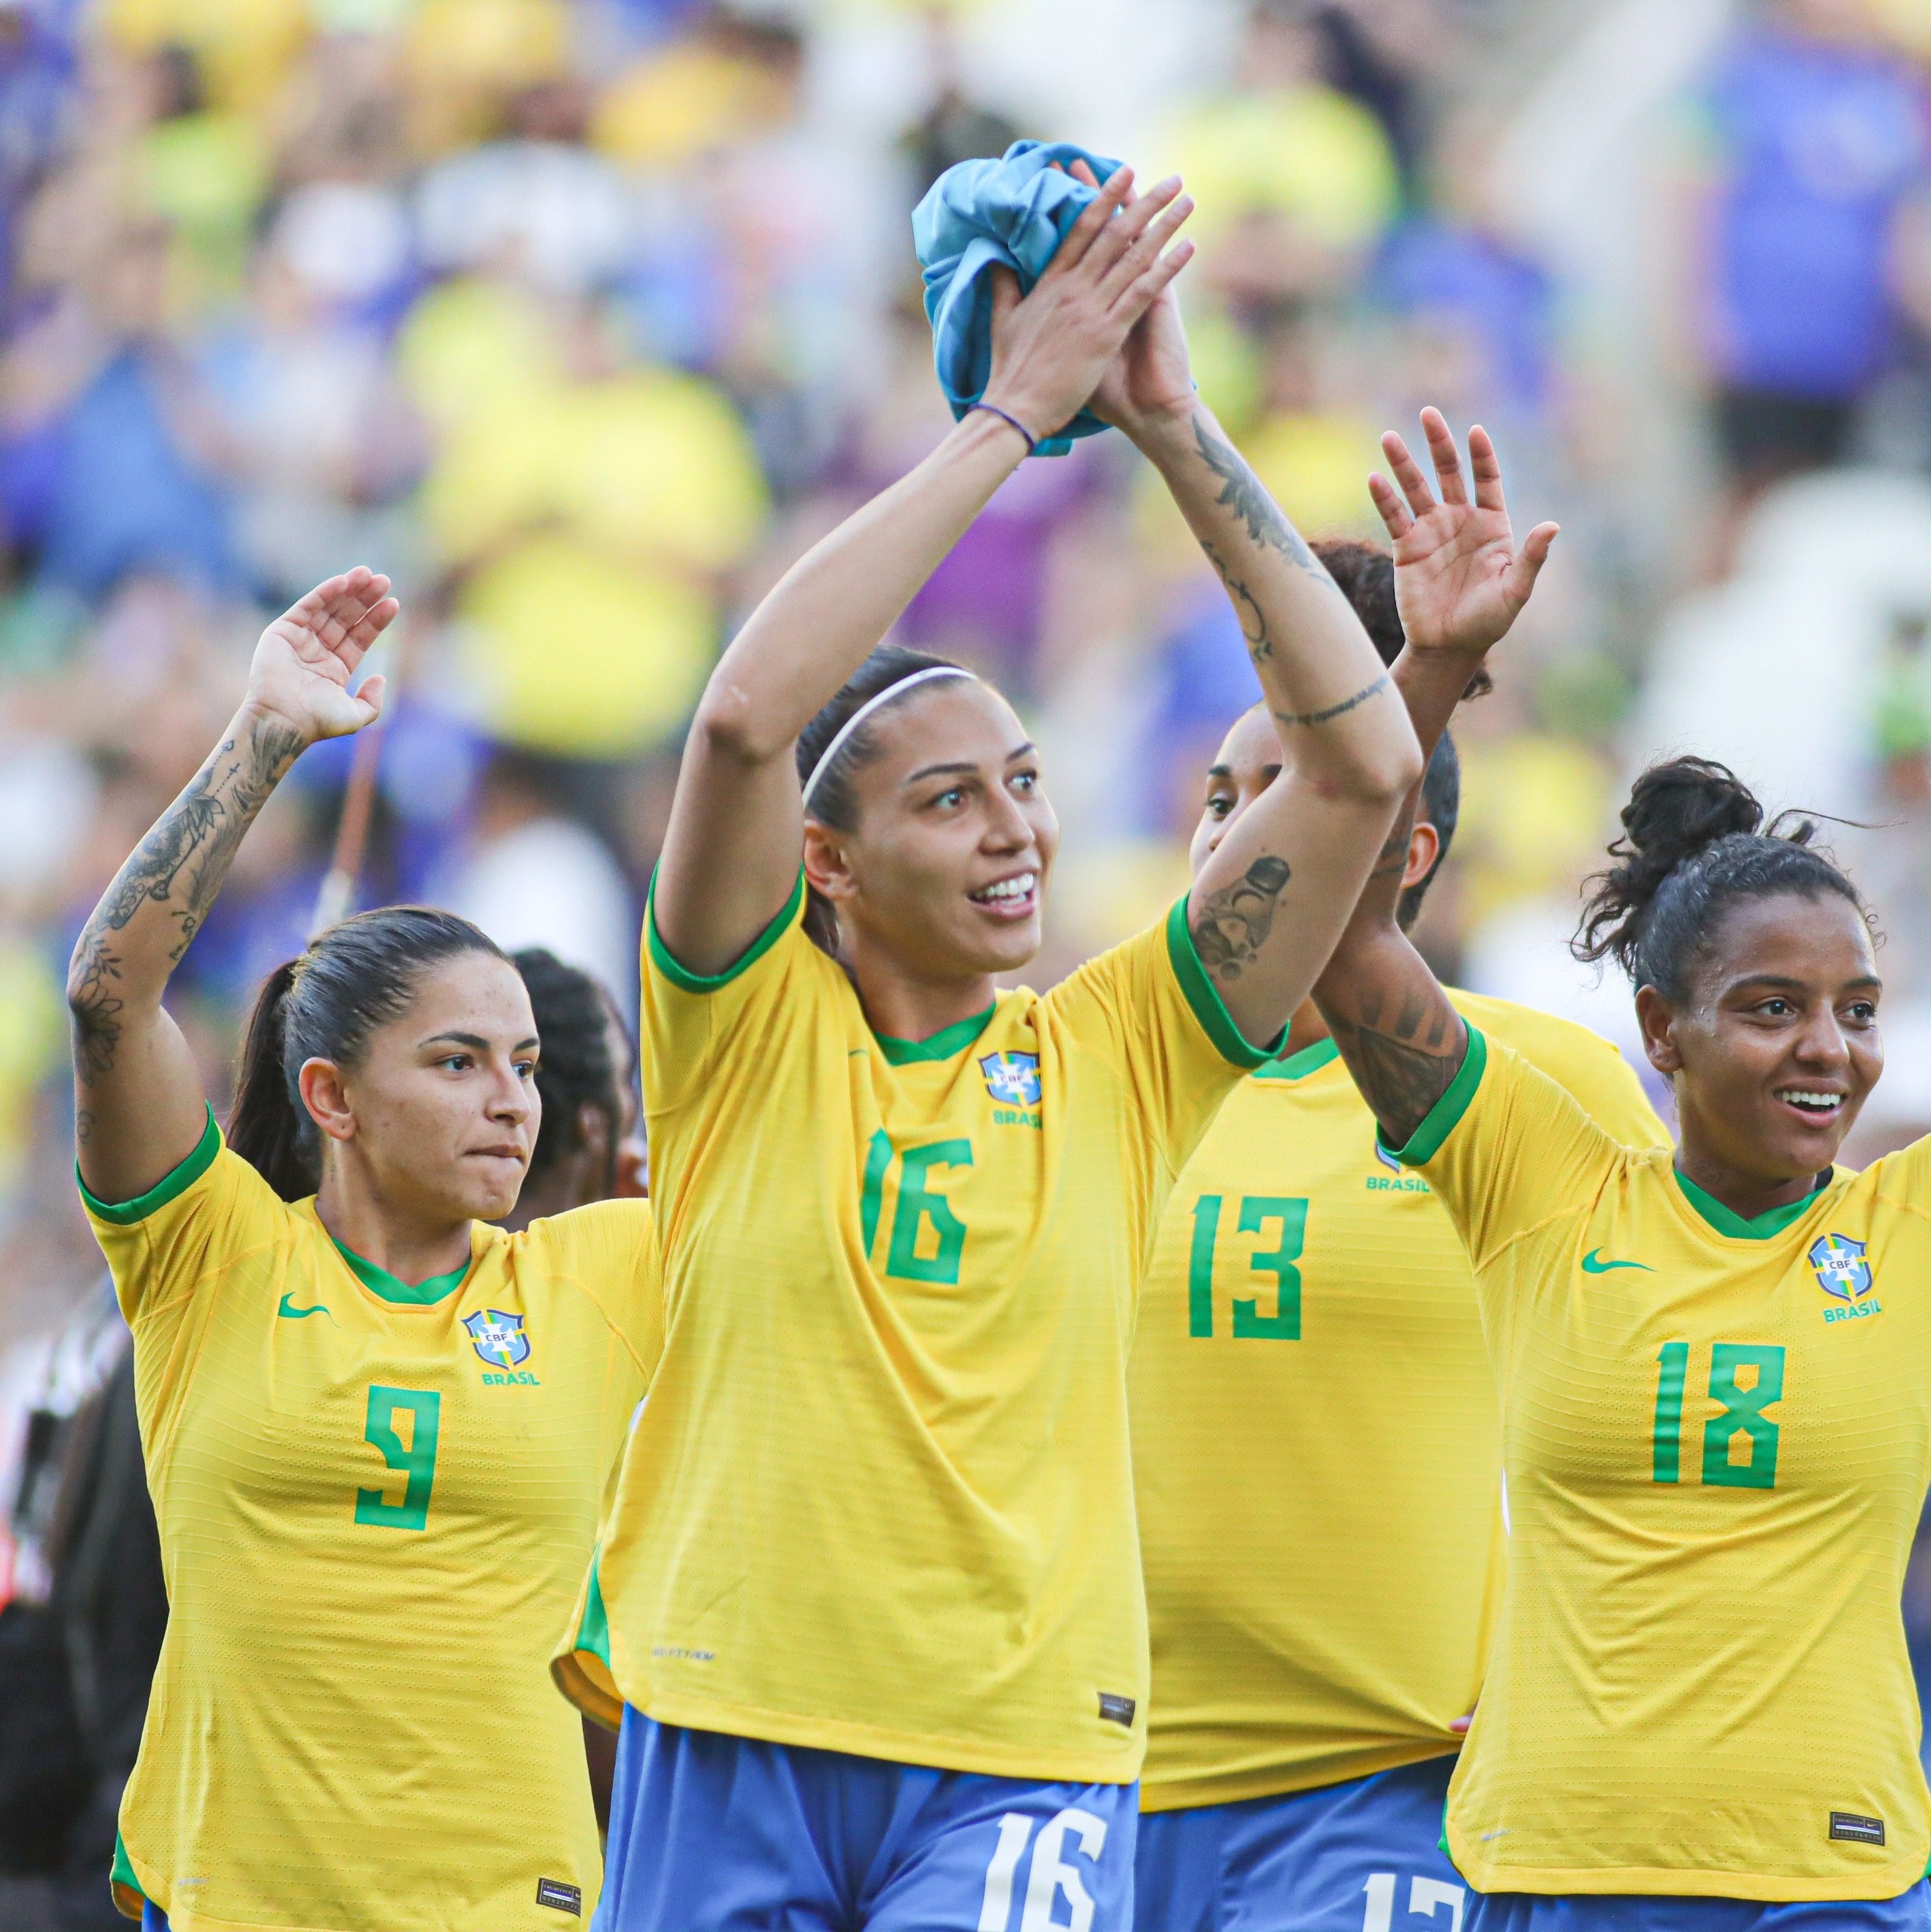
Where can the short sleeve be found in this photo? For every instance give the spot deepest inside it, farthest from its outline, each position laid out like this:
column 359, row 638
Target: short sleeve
column 1148, row 1006
column 690, row 1020
column 1602, row 1082
column 608, row 1250
column 1506, row 1150
column 213, row 1208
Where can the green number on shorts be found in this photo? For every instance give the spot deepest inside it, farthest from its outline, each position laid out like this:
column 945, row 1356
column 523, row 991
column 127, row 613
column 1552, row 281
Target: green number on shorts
column 417, row 1460
column 1249, row 1324
column 1742, row 1415
column 1669, row 1438
column 918, row 1206
column 1284, row 1323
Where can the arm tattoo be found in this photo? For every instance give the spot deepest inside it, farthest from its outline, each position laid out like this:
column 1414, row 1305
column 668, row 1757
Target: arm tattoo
column 1401, row 1076
column 178, row 866
column 1244, row 495
column 1258, row 643
column 1231, row 926
column 1392, row 860
column 1334, row 711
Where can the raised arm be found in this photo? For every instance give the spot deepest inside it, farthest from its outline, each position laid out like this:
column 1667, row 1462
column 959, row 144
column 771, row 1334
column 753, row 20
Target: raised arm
column 1459, row 583
column 139, row 1108
column 731, row 850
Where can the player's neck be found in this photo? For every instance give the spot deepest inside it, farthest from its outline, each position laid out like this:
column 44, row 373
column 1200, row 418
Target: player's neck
column 410, row 1249
column 1746, row 1194
column 900, row 1004
column 1307, row 1029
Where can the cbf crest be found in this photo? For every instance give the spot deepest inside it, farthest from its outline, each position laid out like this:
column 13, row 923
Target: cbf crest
column 498, row 1338
column 1012, row 1078
column 1841, row 1266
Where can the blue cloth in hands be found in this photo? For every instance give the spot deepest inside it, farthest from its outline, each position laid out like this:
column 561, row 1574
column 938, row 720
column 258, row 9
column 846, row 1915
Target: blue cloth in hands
column 1015, row 211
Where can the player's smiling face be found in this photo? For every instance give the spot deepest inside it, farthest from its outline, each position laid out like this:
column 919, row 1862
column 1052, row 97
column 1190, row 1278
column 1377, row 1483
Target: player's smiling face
column 945, row 870
column 1778, row 1048
column 437, row 1118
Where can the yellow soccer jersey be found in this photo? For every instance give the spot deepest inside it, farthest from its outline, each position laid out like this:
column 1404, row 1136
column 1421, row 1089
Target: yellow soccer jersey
column 376, row 1503
column 880, row 1499
column 1717, row 1436
column 1315, row 1439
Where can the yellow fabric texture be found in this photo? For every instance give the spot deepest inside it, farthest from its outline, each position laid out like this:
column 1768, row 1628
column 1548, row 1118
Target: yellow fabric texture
column 352, row 1724
column 1316, row 1444
column 880, row 1500
column 1698, row 1683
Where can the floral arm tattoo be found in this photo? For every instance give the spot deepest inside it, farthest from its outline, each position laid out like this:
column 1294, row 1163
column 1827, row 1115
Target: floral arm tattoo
column 178, row 868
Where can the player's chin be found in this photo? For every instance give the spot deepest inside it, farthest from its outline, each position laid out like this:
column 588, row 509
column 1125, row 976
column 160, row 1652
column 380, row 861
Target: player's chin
column 1003, row 945
column 489, row 1188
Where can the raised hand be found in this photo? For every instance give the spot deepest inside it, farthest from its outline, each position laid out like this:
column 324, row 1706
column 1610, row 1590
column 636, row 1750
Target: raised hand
column 1151, row 378
column 1460, row 581
column 306, row 658
column 1051, row 350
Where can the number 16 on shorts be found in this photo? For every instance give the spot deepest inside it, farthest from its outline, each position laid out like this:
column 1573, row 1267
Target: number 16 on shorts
column 1067, row 1835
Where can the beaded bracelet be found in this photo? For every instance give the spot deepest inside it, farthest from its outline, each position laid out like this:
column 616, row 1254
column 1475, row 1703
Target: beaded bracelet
column 993, row 409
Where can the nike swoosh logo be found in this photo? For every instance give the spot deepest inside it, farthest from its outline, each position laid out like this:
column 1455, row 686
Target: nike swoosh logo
column 288, row 1312
column 1593, row 1263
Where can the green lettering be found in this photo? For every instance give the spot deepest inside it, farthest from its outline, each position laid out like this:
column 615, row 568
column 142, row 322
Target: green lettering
column 1667, row 1439
column 917, row 1206
column 417, row 1460
column 1742, row 1415
column 1284, row 1323
column 1200, row 1267
column 878, row 1158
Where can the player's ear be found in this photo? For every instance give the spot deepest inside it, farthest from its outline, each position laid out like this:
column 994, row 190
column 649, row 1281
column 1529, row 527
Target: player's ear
column 320, row 1082
column 1424, row 847
column 826, row 868
column 1657, row 1019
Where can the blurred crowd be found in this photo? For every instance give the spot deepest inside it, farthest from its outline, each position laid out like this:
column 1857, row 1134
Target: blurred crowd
column 582, row 318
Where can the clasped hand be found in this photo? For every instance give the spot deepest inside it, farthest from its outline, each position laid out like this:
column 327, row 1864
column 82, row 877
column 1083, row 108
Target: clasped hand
column 1100, row 328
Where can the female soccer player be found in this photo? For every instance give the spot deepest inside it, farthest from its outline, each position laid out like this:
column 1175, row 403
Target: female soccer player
column 1317, row 1632
column 870, row 1590
column 1698, row 1713
column 377, row 1429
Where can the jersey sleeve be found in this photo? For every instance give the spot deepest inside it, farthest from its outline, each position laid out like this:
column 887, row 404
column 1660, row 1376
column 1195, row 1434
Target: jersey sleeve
column 1506, row 1150
column 690, row 1021
column 1148, row 1006
column 1602, row 1083
column 161, row 1244
column 609, row 1251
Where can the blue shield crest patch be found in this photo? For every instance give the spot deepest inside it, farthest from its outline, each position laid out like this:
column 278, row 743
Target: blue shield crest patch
column 1012, row 1078
column 498, row 1338
column 1840, row 1266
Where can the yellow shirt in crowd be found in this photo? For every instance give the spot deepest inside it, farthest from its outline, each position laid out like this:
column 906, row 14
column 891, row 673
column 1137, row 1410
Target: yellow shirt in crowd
column 880, row 1499
column 376, row 1504
column 1315, row 1443
column 1718, row 1438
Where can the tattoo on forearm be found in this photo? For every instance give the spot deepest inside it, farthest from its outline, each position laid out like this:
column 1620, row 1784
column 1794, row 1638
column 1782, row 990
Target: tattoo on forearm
column 1246, row 605
column 1392, row 860
column 1231, row 926
column 1402, row 1070
column 179, row 867
column 1334, row 711
column 1244, row 494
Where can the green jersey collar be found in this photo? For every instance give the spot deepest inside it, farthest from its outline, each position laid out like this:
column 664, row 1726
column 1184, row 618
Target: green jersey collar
column 1298, row 1065
column 1727, row 1221
column 385, row 1287
column 942, row 1045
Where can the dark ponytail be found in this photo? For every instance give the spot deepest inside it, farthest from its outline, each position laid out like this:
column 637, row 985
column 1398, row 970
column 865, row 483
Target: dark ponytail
column 353, row 978
column 1694, row 844
column 576, row 1069
column 835, row 802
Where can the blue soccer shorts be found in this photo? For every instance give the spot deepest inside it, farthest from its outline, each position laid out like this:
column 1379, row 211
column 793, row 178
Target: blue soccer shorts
column 1364, row 1856
column 710, row 1833
column 1524, row 1912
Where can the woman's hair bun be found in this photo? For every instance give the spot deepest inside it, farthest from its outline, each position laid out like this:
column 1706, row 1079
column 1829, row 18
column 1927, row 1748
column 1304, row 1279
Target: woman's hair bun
column 1694, row 842
column 1677, row 809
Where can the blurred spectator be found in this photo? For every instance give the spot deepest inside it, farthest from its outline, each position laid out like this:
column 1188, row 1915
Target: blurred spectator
column 1816, row 139
column 535, row 877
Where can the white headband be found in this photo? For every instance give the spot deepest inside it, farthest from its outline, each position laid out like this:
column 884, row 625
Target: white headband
column 865, row 710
